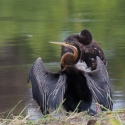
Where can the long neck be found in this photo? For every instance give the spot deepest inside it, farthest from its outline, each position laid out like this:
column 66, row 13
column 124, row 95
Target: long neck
column 75, row 50
column 69, row 58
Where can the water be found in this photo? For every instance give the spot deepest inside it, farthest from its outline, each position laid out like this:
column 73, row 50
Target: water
column 26, row 27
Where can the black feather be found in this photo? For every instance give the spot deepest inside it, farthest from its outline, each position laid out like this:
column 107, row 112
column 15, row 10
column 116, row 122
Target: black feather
column 98, row 83
column 46, row 86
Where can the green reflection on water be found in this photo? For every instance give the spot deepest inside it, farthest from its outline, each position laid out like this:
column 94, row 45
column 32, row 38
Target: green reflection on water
column 45, row 21
column 28, row 26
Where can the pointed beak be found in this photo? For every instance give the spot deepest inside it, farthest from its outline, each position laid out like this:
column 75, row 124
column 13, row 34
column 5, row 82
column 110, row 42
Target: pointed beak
column 60, row 43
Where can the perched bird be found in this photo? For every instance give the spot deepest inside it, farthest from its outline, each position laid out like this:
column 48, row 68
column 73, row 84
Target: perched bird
column 74, row 85
column 89, row 48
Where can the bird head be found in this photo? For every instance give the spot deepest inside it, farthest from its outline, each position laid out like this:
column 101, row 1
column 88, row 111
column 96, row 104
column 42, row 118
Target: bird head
column 85, row 37
column 73, row 46
column 70, row 58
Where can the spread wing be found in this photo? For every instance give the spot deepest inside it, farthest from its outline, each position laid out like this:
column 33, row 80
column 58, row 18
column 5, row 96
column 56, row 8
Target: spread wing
column 47, row 88
column 98, row 83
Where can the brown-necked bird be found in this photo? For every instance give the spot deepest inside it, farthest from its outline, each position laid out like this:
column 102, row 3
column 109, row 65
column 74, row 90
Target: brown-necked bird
column 89, row 48
column 72, row 84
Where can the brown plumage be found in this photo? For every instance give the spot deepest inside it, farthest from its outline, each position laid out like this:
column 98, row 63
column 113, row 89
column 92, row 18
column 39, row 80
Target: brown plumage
column 89, row 48
column 69, row 58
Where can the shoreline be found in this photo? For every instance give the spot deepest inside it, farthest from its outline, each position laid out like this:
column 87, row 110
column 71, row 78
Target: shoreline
column 116, row 117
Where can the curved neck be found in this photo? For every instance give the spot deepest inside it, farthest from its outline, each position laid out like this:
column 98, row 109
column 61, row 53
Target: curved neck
column 75, row 50
column 70, row 58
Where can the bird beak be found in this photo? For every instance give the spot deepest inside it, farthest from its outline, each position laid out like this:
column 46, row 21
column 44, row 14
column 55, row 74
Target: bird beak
column 60, row 43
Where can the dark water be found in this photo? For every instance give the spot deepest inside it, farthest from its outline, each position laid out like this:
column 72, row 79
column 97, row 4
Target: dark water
column 26, row 27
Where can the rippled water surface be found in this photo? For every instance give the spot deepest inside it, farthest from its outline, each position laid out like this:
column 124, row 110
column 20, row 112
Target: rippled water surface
column 26, row 27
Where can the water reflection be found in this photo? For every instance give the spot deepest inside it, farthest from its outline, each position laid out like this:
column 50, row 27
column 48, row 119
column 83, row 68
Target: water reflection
column 26, row 29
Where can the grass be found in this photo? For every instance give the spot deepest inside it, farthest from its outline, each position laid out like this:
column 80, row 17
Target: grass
column 116, row 117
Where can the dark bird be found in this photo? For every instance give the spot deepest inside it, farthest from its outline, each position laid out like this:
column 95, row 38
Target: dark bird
column 76, row 86
column 89, row 48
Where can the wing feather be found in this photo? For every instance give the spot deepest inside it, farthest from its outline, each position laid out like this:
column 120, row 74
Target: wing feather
column 98, row 83
column 47, row 88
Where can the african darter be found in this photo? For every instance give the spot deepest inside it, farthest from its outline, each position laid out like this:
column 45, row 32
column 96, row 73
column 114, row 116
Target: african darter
column 72, row 84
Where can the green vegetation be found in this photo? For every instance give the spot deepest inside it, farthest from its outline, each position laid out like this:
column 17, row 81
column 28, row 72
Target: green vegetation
column 61, row 117
column 117, row 117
